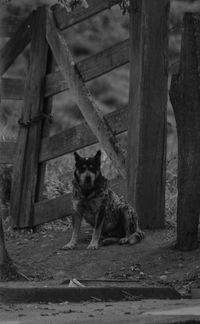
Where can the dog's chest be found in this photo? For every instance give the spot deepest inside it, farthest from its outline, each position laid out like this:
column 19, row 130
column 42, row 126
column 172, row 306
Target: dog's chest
column 90, row 210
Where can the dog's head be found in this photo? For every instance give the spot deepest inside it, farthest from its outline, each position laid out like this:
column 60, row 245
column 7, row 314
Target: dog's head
column 87, row 170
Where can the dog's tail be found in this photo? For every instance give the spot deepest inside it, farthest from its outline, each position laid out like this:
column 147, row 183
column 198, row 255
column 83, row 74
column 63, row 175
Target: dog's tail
column 136, row 237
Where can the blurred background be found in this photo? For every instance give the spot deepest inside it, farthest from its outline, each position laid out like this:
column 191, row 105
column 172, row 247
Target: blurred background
column 110, row 90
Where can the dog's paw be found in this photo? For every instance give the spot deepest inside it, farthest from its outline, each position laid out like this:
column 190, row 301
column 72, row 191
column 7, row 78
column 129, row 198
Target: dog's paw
column 123, row 240
column 93, row 246
column 69, row 246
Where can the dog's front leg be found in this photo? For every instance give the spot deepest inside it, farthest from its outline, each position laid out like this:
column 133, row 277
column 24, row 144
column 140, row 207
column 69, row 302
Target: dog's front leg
column 76, row 224
column 97, row 230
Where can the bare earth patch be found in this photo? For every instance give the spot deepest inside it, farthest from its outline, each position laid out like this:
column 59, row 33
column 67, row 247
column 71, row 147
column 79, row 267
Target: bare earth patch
column 154, row 261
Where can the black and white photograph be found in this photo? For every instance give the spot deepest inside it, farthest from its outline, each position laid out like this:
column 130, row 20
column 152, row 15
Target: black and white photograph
column 99, row 161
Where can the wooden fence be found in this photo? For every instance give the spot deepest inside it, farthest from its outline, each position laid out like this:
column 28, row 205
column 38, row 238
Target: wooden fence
column 145, row 119
column 185, row 98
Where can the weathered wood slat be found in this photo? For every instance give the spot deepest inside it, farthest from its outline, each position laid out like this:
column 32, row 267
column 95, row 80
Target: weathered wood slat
column 72, row 139
column 65, row 20
column 15, row 45
column 26, row 167
column 81, row 95
column 69, row 140
column 147, row 110
column 47, row 109
column 90, row 68
column 49, row 210
column 7, row 152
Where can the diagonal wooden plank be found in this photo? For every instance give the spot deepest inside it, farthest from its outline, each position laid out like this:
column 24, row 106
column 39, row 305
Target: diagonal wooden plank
column 72, row 139
column 16, row 44
column 90, row 68
column 65, row 20
column 82, row 96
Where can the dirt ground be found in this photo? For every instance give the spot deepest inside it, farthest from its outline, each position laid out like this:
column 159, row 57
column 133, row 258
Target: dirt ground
column 153, row 261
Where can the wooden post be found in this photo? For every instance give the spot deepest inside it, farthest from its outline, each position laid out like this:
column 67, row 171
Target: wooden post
column 147, row 110
column 82, row 96
column 26, row 167
column 47, row 109
column 184, row 94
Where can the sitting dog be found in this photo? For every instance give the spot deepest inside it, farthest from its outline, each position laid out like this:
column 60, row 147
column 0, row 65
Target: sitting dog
column 108, row 214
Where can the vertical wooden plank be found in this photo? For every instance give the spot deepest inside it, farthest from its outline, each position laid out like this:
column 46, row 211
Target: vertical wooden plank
column 184, row 95
column 47, row 109
column 26, row 166
column 147, row 110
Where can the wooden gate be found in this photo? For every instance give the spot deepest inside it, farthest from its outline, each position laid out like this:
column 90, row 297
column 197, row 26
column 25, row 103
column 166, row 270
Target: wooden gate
column 147, row 109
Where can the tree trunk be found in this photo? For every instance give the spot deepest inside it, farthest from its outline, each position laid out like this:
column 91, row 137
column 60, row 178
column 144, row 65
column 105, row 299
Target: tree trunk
column 8, row 271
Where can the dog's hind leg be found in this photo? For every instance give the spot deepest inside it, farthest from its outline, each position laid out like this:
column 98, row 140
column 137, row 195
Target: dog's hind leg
column 76, row 223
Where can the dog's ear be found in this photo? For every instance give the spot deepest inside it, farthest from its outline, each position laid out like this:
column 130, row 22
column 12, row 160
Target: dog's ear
column 77, row 157
column 98, row 157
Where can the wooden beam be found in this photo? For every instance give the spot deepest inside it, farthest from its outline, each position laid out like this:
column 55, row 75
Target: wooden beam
column 24, row 182
column 65, row 20
column 15, row 45
column 69, row 140
column 147, row 110
column 7, row 152
column 72, row 139
column 83, row 98
column 184, row 95
column 90, row 68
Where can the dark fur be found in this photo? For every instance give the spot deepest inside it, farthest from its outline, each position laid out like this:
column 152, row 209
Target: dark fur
column 110, row 216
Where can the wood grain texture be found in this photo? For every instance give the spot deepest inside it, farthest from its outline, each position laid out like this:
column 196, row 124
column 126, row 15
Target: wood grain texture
column 184, row 95
column 147, row 110
column 82, row 96
column 26, row 167
column 72, row 139
column 69, row 140
column 15, row 45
